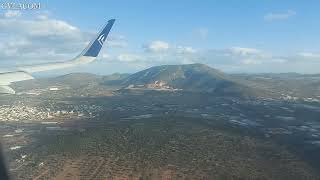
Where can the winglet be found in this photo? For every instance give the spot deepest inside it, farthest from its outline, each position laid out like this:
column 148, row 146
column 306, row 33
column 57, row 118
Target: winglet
column 95, row 46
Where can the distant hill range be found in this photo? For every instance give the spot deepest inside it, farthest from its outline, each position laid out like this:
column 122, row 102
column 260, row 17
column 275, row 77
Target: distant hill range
column 190, row 77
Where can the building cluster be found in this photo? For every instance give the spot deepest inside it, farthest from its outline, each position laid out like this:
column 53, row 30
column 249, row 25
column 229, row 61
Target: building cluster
column 156, row 85
column 294, row 98
column 22, row 112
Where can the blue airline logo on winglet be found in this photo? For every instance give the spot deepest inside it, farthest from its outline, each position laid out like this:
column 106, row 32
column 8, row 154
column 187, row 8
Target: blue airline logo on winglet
column 101, row 39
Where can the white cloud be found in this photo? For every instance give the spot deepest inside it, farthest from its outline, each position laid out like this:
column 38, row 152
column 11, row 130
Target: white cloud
column 309, row 55
column 12, row 14
column 234, row 59
column 157, row 46
column 177, row 54
column 118, row 41
column 243, row 51
column 251, row 61
column 106, row 56
column 186, row 49
column 42, row 17
column 30, row 39
column 44, row 27
column 278, row 60
column 157, row 53
column 201, row 32
column 279, row 15
column 128, row 58
column 242, row 59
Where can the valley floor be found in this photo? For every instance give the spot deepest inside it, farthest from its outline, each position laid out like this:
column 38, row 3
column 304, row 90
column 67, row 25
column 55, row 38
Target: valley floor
column 160, row 135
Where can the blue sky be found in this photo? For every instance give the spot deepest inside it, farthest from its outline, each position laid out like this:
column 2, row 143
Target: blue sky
column 234, row 36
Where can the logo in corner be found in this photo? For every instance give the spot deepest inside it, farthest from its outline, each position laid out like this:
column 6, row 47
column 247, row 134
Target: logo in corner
column 101, row 39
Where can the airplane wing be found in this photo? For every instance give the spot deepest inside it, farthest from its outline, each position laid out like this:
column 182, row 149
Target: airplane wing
column 88, row 55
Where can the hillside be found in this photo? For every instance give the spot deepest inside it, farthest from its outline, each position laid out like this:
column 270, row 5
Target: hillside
column 190, row 77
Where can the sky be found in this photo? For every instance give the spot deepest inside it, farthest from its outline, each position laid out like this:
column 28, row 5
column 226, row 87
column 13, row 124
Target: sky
column 266, row 36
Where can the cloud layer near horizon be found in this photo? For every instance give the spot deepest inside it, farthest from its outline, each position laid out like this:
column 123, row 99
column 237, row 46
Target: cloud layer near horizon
column 279, row 16
column 44, row 39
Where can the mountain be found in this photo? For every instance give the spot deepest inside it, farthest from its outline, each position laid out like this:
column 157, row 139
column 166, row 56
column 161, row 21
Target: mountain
column 115, row 77
column 69, row 78
column 190, row 77
column 88, row 78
